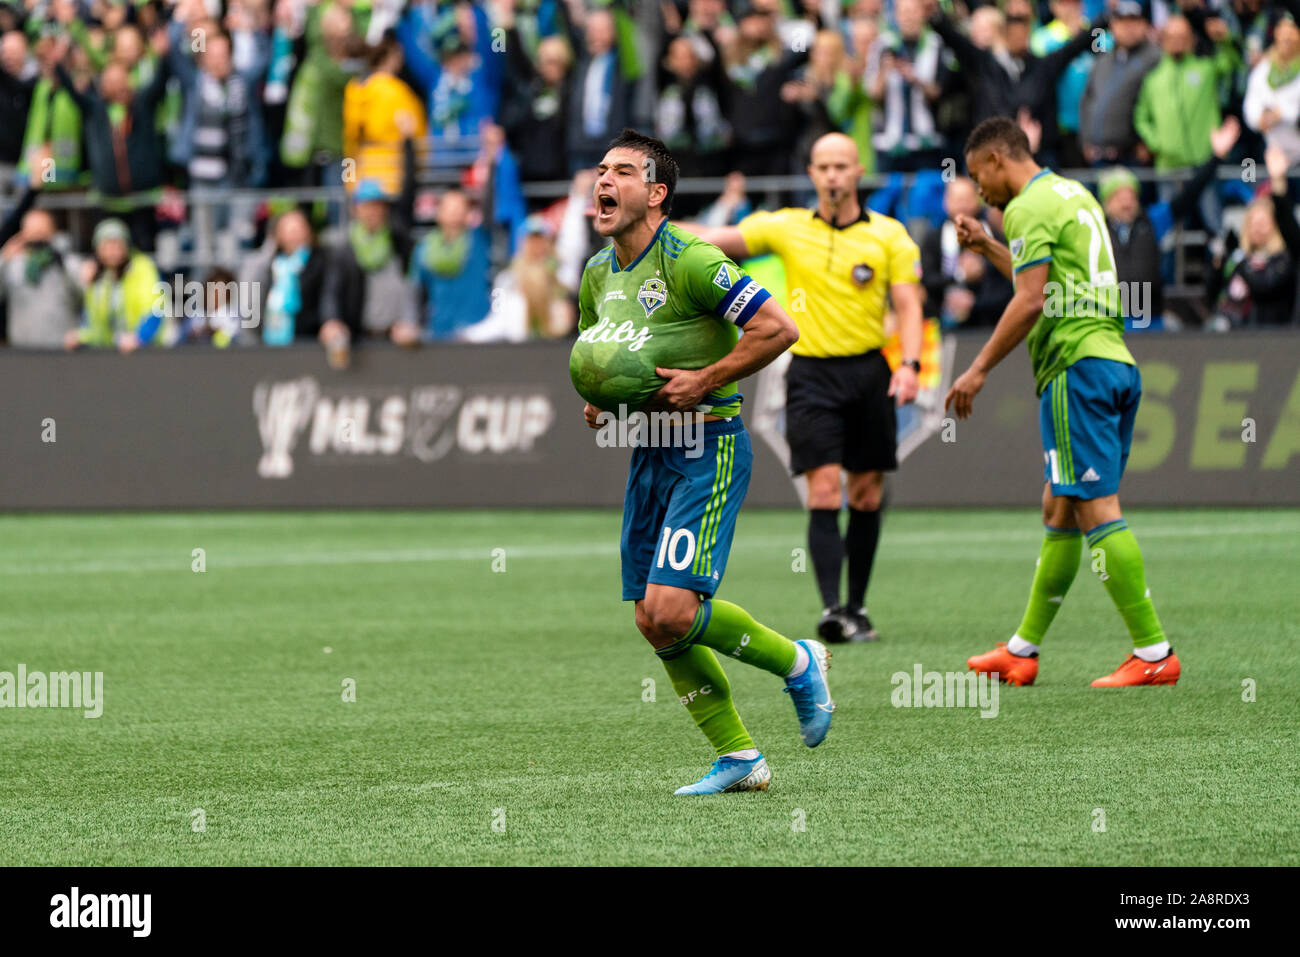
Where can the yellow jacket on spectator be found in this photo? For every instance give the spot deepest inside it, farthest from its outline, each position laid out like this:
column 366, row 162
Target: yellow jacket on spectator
column 379, row 113
column 126, row 304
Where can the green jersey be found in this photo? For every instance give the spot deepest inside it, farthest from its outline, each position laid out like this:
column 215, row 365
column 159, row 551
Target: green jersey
column 679, row 305
column 1057, row 221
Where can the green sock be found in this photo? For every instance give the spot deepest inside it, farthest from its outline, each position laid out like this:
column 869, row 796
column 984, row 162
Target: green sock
column 702, row 686
column 1117, row 560
column 1058, row 563
column 730, row 630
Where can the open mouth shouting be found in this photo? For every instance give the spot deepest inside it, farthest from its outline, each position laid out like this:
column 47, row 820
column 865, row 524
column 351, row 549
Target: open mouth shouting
column 606, row 208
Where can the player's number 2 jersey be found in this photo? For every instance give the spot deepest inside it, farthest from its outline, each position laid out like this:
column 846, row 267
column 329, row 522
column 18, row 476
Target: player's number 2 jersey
column 1057, row 221
column 679, row 305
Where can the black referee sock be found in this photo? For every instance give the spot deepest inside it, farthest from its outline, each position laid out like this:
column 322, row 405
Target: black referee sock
column 827, row 552
column 860, row 543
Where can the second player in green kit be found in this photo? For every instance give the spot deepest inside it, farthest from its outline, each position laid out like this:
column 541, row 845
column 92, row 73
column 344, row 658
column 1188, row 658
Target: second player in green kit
column 1069, row 308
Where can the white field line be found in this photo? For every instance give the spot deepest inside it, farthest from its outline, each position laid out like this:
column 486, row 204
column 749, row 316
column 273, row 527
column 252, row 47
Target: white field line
column 218, row 559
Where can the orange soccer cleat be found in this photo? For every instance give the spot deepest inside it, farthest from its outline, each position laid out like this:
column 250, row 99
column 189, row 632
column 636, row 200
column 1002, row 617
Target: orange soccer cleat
column 1134, row 671
column 1013, row 669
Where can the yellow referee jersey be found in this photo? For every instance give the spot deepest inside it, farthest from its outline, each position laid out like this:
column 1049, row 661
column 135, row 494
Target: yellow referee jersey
column 837, row 277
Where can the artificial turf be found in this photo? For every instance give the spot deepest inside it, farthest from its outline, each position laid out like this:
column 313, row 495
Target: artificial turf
column 501, row 713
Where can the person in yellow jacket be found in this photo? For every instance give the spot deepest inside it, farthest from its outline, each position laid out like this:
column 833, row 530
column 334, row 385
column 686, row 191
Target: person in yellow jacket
column 122, row 306
column 379, row 113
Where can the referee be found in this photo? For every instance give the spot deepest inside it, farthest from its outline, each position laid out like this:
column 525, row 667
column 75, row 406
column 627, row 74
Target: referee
column 845, row 264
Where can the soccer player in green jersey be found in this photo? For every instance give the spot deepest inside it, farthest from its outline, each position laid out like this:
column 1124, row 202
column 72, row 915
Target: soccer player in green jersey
column 1067, row 306
column 670, row 324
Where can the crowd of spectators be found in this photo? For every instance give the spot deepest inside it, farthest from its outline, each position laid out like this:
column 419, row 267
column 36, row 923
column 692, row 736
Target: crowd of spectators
column 148, row 141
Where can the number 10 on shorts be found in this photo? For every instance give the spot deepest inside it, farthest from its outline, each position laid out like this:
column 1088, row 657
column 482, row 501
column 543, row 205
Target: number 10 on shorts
column 670, row 548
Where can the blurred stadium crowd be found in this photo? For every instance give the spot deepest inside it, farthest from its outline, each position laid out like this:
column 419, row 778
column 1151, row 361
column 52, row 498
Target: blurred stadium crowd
column 421, row 171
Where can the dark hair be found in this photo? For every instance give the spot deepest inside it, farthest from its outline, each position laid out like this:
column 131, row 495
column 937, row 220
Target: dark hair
column 662, row 166
column 387, row 46
column 219, row 277
column 999, row 132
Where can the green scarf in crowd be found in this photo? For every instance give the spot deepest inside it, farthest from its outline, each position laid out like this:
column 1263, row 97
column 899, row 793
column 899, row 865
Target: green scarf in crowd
column 1282, row 75
column 40, row 256
column 444, row 257
column 373, row 250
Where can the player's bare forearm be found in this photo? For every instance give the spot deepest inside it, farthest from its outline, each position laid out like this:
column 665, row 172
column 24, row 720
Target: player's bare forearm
column 767, row 334
column 1017, row 319
column 998, row 255
column 727, row 238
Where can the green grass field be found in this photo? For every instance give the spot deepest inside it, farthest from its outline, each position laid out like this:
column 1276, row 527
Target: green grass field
column 516, row 696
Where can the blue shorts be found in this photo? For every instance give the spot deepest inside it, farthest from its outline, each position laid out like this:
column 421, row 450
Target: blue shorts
column 679, row 513
column 1086, row 418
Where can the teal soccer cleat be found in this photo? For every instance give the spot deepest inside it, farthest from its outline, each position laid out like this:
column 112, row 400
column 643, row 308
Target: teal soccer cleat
column 732, row 774
column 812, row 697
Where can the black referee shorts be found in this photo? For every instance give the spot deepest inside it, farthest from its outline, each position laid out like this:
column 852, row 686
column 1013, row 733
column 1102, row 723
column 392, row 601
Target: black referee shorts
column 838, row 411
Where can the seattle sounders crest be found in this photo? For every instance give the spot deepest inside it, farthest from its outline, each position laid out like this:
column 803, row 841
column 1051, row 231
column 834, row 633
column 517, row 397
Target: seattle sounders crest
column 652, row 294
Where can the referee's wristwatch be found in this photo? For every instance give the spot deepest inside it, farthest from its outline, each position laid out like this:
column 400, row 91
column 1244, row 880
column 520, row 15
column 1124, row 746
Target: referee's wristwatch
column 914, row 364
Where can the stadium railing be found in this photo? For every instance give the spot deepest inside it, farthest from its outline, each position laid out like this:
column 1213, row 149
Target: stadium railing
column 1185, row 243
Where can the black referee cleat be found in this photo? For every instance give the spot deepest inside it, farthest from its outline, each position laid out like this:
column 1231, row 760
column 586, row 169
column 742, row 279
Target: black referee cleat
column 833, row 625
column 860, row 627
